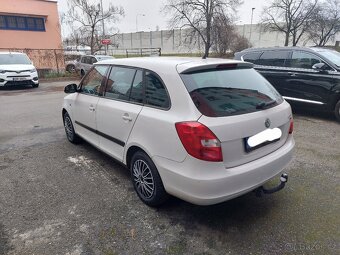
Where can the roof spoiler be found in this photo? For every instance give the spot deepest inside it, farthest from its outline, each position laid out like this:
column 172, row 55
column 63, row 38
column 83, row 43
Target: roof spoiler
column 217, row 66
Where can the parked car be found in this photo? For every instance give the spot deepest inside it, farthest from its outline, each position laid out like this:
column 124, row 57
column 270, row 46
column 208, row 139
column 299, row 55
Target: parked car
column 304, row 76
column 17, row 69
column 86, row 62
column 202, row 130
column 71, row 60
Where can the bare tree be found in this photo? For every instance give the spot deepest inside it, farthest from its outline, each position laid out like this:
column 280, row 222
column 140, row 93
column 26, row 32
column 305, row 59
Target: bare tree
column 325, row 22
column 289, row 17
column 226, row 37
column 88, row 17
column 199, row 15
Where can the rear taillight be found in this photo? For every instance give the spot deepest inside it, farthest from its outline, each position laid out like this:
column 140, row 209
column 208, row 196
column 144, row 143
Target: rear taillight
column 291, row 126
column 199, row 141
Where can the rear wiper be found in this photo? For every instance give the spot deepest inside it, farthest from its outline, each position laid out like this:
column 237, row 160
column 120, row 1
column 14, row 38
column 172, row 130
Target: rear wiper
column 262, row 105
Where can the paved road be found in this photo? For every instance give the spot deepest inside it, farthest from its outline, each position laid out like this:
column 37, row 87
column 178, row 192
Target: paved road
column 58, row 198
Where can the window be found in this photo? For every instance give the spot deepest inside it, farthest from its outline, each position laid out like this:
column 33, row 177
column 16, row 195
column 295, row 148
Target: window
column 302, row 59
column 119, row 83
column 22, row 23
column 155, row 93
column 273, row 58
column 251, row 57
column 218, row 93
column 92, row 81
column 93, row 60
column 136, row 94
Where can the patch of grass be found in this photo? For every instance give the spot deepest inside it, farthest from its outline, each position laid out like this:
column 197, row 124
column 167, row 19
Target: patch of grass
column 51, row 75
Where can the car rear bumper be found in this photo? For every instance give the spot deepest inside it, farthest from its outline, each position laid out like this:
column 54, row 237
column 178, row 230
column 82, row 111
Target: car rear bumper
column 205, row 183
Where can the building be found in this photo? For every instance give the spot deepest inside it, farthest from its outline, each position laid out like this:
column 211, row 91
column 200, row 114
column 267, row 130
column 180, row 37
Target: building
column 33, row 27
column 29, row 24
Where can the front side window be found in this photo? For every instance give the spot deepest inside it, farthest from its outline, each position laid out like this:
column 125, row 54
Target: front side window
column 304, row 60
column 155, row 92
column 119, row 83
column 93, row 80
column 226, row 92
column 273, row 58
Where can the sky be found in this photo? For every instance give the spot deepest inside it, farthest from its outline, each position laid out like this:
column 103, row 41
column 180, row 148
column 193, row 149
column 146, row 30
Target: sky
column 153, row 17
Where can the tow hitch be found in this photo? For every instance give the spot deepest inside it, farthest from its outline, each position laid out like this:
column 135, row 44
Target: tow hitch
column 262, row 190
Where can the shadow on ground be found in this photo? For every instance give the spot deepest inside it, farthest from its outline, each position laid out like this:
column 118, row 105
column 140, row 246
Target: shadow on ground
column 4, row 241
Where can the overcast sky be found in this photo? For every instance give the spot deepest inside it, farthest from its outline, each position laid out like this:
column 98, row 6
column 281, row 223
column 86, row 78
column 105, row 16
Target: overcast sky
column 153, row 16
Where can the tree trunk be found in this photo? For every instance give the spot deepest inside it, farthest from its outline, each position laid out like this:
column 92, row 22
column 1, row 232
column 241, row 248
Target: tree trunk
column 92, row 41
column 287, row 39
column 206, row 50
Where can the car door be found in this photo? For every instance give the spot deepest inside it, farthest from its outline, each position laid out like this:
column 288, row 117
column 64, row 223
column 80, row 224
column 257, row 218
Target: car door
column 85, row 103
column 271, row 65
column 119, row 109
column 306, row 84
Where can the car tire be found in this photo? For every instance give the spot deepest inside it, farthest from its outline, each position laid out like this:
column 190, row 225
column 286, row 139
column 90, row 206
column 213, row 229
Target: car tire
column 35, row 85
column 337, row 111
column 71, row 68
column 69, row 129
column 82, row 73
column 146, row 180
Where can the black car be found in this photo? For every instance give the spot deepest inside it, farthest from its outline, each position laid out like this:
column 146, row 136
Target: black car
column 303, row 76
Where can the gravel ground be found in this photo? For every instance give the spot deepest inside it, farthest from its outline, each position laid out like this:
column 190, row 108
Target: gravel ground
column 59, row 198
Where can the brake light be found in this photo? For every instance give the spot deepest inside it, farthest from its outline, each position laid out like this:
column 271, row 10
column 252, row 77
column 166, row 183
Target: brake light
column 291, row 126
column 199, row 141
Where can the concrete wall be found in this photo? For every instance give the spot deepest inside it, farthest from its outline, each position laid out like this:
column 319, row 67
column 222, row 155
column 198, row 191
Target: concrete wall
column 50, row 39
column 177, row 41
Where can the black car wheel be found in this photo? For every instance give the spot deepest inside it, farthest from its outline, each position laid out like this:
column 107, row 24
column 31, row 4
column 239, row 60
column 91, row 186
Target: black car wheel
column 337, row 111
column 71, row 68
column 69, row 130
column 146, row 180
column 35, row 85
column 82, row 73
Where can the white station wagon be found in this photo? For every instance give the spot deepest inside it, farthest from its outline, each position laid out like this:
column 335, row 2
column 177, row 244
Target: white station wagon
column 204, row 131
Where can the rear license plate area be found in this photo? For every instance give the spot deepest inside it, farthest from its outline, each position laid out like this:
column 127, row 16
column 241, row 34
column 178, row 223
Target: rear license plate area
column 262, row 139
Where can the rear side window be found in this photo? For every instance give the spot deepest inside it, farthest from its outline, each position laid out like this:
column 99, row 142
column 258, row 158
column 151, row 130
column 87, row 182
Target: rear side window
column 119, row 83
column 251, row 57
column 93, row 80
column 218, row 93
column 155, row 92
column 273, row 58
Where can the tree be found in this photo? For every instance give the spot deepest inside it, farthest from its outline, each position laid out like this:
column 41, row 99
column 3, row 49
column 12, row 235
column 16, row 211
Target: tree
column 289, row 17
column 325, row 22
column 226, row 37
column 199, row 15
column 88, row 18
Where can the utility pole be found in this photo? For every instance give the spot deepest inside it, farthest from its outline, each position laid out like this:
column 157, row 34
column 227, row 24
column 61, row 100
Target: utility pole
column 251, row 22
column 101, row 5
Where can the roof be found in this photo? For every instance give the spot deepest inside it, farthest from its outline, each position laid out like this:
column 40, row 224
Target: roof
column 161, row 64
column 310, row 49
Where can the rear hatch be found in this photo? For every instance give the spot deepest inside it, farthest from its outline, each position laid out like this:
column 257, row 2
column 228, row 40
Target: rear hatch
column 238, row 103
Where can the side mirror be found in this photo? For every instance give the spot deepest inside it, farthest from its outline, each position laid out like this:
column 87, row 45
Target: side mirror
column 71, row 88
column 320, row 67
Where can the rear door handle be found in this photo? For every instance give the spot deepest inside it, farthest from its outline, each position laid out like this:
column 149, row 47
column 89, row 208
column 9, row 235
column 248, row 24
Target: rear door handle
column 126, row 117
column 292, row 74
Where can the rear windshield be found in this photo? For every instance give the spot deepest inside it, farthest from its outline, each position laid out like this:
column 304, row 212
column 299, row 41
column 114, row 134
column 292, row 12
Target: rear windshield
column 218, row 93
column 14, row 59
